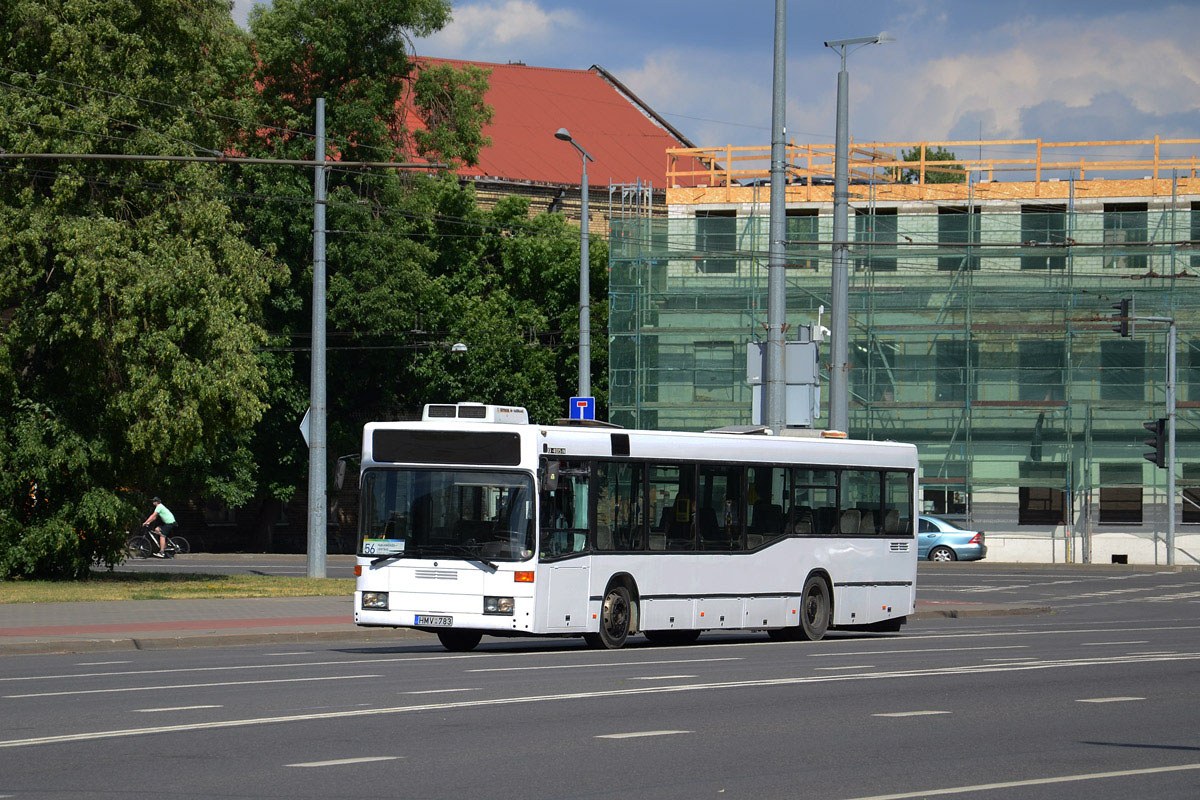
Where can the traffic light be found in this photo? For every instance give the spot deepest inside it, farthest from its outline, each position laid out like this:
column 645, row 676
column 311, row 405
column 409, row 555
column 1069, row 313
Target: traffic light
column 1122, row 323
column 1158, row 442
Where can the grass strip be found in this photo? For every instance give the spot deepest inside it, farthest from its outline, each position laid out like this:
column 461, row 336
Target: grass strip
column 170, row 586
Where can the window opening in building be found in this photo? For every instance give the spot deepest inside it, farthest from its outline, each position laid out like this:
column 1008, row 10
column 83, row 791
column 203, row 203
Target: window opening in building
column 714, row 373
column 1191, row 493
column 801, row 225
column 1122, row 370
column 874, row 367
column 1040, row 501
column 1043, row 231
column 1041, row 370
column 716, row 232
column 957, row 227
column 1120, row 493
column 878, row 231
column 952, row 382
column 1125, row 224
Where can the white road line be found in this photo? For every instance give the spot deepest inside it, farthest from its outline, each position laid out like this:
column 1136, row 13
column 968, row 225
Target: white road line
column 339, row 762
column 987, row 787
column 1010, row 659
column 661, row 677
column 174, row 686
column 1109, row 699
column 1106, row 644
column 445, row 691
column 171, row 708
column 97, row 664
column 491, row 656
column 639, row 734
column 343, row 714
column 850, row 666
column 922, row 650
column 911, row 714
column 602, row 664
column 297, row 653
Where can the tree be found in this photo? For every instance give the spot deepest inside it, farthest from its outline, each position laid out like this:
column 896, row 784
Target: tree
column 950, row 173
column 130, row 300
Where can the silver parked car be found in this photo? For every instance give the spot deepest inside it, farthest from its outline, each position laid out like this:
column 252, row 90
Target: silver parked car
column 938, row 540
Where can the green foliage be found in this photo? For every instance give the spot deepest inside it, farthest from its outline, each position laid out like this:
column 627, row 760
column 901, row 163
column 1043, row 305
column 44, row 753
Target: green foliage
column 126, row 352
column 950, row 173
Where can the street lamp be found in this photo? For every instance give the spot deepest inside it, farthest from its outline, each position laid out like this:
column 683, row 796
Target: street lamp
column 839, row 395
column 585, row 344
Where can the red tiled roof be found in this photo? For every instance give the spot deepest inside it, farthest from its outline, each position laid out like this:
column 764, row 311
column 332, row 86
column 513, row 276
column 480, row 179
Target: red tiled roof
column 623, row 135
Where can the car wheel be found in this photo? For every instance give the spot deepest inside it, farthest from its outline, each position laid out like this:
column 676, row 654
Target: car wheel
column 942, row 554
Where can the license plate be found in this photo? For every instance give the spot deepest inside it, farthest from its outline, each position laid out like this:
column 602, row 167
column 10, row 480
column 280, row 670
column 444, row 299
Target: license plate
column 434, row 622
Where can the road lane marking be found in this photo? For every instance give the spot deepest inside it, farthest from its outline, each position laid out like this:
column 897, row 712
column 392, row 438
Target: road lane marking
column 1109, row 699
column 987, row 787
column 1106, row 644
column 923, row 650
column 639, row 734
column 100, row 663
column 340, row 761
column 849, row 666
column 602, row 664
column 661, row 677
column 490, row 656
column 171, row 708
column 970, row 670
column 911, row 714
column 174, row 686
column 444, row 691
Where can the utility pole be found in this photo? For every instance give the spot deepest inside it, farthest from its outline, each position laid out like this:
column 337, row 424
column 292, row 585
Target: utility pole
column 317, row 448
column 774, row 396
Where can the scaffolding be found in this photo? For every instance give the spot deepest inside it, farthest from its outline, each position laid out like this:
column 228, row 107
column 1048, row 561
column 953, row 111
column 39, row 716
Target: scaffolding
column 980, row 331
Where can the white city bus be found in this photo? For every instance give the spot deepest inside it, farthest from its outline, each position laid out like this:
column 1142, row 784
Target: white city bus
column 474, row 521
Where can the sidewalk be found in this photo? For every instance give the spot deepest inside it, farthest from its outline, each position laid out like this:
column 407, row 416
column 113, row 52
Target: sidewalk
column 32, row 628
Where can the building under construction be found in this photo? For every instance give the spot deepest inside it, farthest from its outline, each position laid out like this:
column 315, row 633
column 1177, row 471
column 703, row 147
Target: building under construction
column 982, row 290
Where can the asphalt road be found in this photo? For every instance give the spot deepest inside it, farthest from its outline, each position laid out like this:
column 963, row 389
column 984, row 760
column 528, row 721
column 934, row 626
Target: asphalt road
column 1097, row 700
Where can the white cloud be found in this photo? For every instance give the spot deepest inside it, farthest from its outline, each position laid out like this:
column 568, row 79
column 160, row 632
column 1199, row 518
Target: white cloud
column 494, row 30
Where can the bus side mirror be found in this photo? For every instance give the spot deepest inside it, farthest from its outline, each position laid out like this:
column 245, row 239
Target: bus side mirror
column 550, row 476
column 339, row 469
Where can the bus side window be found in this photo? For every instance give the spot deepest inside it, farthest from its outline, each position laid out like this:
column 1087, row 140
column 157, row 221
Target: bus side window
column 564, row 510
column 769, row 505
column 862, row 502
column 620, row 508
column 897, row 504
column 815, row 509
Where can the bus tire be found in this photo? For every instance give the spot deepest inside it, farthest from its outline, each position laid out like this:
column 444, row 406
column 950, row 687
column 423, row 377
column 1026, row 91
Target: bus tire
column 616, row 614
column 672, row 637
column 459, row 641
column 815, row 609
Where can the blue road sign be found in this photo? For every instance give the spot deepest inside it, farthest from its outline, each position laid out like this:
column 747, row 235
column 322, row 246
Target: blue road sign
column 582, row 408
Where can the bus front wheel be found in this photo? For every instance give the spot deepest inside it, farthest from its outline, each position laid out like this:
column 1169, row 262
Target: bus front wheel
column 459, row 641
column 615, row 617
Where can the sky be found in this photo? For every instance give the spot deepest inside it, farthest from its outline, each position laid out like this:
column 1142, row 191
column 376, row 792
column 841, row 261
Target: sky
column 1059, row 70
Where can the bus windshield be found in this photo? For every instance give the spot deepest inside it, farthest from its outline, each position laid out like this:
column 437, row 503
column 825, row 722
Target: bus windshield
column 447, row 514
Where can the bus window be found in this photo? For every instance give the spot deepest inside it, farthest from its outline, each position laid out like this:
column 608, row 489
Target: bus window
column 897, row 504
column 861, row 502
column 620, row 507
column 564, row 511
column 720, row 511
column 672, row 506
column 815, row 507
column 769, row 505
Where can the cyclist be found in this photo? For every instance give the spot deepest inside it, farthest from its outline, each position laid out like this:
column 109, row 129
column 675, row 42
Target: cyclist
column 166, row 524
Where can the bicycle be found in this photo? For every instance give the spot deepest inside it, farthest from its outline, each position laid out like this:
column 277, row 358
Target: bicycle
column 144, row 544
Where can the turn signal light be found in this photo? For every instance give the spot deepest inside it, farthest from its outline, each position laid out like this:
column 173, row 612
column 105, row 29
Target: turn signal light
column 358, row 570
column 832, row 434
column 523, row 577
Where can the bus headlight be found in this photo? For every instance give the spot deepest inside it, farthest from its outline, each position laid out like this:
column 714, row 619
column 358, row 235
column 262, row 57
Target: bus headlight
column 375, row 600
column 498, row 605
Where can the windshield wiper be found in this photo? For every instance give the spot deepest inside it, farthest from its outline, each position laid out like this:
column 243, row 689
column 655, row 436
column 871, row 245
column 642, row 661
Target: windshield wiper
column 468, row 553
column 387, row 556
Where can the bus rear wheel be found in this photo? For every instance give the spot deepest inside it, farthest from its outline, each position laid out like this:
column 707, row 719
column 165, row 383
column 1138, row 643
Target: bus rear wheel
column 615, row 617
column 814, row 609
column 459, row 641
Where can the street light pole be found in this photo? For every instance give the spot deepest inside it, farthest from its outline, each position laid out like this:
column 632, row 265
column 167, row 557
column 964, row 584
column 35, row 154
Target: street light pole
column 839, row 393
column 585, row 312
column 775, row 391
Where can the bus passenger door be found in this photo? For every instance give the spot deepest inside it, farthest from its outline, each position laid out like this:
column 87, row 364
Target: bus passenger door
column 567, row 597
